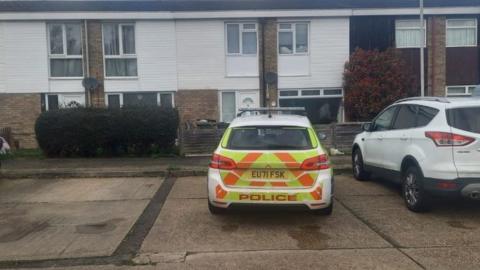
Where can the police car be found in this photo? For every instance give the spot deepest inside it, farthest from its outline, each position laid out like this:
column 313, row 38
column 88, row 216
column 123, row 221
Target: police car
column 270, row 157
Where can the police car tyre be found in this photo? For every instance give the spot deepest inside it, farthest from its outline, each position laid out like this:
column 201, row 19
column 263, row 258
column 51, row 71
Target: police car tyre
column 415, row 197
column 358, row 167
column 325, row 211
column 216, row 210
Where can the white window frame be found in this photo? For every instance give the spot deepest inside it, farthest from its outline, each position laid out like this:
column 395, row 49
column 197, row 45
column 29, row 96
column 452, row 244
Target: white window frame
column 411, row 28
column 240, row 38
column 465, row 94
column 64, row 55
column 121, row 54
column 320, row 95
column 220, row 98
column 461, row 27
column 61, row 99
column 172, row 93
column 293, row 30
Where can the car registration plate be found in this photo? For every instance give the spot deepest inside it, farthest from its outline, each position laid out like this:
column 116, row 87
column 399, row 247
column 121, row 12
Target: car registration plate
column 268, row 174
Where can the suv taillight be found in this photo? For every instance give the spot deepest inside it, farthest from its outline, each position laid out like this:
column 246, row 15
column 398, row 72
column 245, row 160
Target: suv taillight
column 448, row 139
column 221, row 162
column 316, row 163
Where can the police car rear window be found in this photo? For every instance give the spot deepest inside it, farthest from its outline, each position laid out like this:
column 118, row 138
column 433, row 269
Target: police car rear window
column 269, row 138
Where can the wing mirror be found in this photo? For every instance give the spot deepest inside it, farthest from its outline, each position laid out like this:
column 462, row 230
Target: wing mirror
column 321, row 136
column 367, row 127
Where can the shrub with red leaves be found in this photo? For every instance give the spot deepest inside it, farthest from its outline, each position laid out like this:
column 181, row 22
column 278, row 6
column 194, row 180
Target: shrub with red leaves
column 373, row 80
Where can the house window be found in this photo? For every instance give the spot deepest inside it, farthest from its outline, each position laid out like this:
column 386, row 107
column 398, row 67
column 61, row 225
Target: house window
column 114, row 101
column 65, row 50
column 323, row 106
column 462, row 33
column 408, row 33
column 460, row 91
column 228, row 106
column 118, row 100
column 52, row 102
column 119, row 50
column 57, row 101
column 241, row 38
column 293, row 38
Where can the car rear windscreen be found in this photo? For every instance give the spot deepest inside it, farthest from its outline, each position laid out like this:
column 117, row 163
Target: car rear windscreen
column 467, row 119
column 269, row 138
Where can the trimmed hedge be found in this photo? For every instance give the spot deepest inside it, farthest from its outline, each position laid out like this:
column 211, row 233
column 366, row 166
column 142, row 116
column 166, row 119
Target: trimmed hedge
column 91, row 132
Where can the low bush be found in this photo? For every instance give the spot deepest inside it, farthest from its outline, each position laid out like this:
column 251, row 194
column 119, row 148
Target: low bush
column 89, row 132
column 374, row 80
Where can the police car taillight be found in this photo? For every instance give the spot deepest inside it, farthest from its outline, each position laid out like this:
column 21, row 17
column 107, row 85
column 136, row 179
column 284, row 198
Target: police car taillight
column 221, row 162
column 316, row 163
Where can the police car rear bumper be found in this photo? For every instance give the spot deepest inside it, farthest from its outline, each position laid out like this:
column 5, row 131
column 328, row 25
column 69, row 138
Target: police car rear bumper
column 316, row 197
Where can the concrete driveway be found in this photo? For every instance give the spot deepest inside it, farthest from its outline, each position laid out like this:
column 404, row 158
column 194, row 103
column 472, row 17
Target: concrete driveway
column 369, row 229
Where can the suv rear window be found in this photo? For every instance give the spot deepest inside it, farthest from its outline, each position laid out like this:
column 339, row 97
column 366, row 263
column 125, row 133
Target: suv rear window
column 467, row 119
column 269, row 138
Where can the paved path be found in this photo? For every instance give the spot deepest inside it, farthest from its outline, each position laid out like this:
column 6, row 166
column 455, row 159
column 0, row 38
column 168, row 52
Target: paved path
column 369, row 229
column 118, row 167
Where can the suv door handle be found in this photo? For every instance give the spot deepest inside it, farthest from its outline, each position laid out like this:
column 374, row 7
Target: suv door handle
column 404, row 139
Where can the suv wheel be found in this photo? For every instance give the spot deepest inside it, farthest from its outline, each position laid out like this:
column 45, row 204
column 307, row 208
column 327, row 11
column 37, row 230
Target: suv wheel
column 216, row 210
column 358, row 168
column 415, row 197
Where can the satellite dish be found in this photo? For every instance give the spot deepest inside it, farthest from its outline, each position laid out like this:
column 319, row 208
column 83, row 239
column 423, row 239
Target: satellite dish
column 271, row 77
column 90, row 83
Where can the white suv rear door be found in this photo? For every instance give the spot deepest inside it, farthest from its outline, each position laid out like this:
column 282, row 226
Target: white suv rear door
column 399, row 137
column 465, row 124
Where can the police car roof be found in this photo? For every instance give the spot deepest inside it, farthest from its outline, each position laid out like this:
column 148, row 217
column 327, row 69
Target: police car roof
column 275, row 120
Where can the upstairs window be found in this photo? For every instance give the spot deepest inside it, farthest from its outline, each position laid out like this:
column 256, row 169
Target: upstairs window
column 462, row 33
column 408, row 33
column 241, row 38
column 119, row 50
column 293, row 38
column 65, row 50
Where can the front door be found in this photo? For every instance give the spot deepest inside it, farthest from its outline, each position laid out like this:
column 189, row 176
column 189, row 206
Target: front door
column 247, row 100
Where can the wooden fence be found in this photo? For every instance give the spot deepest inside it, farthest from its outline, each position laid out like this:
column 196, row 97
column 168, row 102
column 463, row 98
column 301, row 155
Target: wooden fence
column 203, row 141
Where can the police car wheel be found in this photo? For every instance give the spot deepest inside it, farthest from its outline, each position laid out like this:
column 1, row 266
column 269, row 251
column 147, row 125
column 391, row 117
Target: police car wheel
column 325, row 211
column 216, row 210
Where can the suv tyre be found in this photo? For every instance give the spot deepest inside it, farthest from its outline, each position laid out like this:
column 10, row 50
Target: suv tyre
column 414, row 195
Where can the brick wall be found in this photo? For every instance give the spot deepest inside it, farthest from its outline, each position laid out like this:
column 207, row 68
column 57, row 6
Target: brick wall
column 95, row 65
column 436, row 42
column 19, row 112
column 269, row 63
column 197, row 104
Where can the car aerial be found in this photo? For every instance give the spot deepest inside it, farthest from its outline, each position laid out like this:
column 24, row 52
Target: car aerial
column 273, row 159
column 430, row 145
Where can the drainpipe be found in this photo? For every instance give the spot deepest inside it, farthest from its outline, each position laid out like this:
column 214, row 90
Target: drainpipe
column 261, row 75
column 87, row 64
column 422, row 51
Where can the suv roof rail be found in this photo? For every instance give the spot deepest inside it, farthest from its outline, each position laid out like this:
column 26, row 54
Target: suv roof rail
column 436, row 99
column 290, row 110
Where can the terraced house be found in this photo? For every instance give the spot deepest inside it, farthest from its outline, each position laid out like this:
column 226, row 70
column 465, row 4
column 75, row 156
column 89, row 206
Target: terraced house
column 208, row 58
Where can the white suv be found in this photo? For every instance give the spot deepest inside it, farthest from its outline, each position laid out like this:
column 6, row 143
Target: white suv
column 429, row 145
